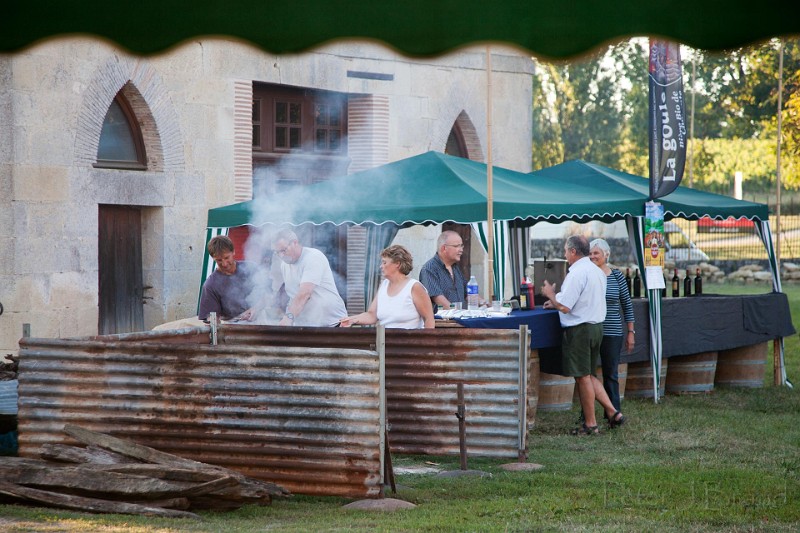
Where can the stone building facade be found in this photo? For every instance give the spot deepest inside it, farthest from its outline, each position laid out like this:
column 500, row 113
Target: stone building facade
column 193, row 107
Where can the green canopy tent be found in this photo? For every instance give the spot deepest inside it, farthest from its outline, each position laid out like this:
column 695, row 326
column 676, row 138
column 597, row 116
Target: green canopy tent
column 433, row 188
column 684, row 203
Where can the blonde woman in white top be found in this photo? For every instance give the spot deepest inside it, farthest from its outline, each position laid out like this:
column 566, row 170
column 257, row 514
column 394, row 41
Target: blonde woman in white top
column 401, row 301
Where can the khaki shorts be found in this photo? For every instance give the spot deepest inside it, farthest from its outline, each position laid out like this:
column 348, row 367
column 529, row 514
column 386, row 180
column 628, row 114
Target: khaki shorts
column 580, row 348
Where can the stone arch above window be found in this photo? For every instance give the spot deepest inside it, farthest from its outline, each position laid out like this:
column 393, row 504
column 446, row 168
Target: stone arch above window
column 155, row 115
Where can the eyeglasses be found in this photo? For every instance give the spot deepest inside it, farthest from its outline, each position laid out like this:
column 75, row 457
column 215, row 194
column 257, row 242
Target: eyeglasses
column 460, row 246
column 283, row 250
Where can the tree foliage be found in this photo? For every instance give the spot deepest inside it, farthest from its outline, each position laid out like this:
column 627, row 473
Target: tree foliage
column 596, row 109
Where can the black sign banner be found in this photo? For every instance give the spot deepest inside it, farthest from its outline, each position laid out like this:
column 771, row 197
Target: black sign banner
column 667, row 118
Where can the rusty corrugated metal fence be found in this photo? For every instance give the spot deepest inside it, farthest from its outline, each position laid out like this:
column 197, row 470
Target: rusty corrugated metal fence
column 296, row 406
column 423, row 369
column 305, row 418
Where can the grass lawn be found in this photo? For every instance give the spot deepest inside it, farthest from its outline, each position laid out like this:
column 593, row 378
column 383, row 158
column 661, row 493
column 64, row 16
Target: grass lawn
column 726, row 461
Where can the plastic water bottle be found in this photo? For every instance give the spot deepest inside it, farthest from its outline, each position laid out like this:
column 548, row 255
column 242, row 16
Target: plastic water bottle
column 473, row 299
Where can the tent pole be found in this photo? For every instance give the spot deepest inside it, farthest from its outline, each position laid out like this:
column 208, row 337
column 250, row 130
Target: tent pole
column 489, row 178
column 776, row 353
column 778, row 162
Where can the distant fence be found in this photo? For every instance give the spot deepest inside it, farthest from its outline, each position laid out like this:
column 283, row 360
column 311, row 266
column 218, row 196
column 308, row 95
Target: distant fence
column 727, row 249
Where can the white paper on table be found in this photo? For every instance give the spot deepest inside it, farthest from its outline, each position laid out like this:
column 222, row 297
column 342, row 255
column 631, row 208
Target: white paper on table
column 465, row 313
column 654, row 277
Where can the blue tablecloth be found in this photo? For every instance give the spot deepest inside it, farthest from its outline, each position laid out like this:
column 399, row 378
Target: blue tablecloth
column 543, row 324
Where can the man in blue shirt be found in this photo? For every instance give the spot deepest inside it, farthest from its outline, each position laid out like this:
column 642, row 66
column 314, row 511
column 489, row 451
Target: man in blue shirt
column 441, row 276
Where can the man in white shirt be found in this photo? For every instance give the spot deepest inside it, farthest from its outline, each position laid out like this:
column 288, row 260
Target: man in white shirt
column 308, row 280
column 582, row 309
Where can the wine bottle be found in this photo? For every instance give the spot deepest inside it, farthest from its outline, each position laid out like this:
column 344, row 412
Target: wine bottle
column 628, row 280
column 698, row 283
column 676, row 283
column 687, row 284
column 637, row 285
column 523, row 294
column 531, row 303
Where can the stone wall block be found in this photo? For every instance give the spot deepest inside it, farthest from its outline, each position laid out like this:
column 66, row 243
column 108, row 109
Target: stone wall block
column 71, row 290
column 41, row 183
column 8, row 249
column 78, row 321
column 43, row 255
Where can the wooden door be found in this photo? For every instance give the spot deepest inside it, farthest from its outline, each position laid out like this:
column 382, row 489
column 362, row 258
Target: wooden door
column 120, row 270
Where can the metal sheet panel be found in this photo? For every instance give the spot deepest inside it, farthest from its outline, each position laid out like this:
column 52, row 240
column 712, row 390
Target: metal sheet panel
column 304, row 417
column 423, row 369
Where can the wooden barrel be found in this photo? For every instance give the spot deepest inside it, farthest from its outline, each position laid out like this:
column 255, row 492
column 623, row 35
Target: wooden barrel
column 533, row 388
column 692, row 374
column 555, row 392
column 742, row 367
column 639, row 380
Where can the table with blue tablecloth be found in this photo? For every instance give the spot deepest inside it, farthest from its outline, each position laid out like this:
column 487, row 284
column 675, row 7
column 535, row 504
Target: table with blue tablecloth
column 545, row 331
column 689, row 325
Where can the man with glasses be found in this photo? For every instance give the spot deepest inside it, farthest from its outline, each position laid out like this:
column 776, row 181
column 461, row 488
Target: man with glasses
column 441, row 276
column 309, row 284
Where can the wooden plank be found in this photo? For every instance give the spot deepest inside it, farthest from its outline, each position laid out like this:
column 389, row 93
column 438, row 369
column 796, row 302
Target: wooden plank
column 160, row 472
column 111, row 483
column 92, row 505
column 171, row 503
column 74, row 454
column 252, row 489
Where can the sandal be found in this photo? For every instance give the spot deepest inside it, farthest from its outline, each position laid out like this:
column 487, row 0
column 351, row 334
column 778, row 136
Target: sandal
column 616, row 420
column 586, row 430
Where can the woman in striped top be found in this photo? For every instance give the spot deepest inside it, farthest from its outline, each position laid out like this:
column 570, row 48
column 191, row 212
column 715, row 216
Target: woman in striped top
column 618, row 307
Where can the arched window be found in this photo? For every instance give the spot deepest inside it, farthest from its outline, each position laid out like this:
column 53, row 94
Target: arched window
column 455, row 143
column 121, row 145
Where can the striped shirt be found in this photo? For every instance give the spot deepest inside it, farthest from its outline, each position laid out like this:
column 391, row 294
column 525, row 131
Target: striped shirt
column 618, row 303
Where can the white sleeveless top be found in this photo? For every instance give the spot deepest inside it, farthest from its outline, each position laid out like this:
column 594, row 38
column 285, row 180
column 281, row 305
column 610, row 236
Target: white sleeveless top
column 398, row 311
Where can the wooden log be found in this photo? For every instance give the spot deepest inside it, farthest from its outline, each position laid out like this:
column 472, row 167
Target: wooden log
column 74, row 454
column 171, row 503
column 252, row 489
column 158, row 471
column 88, row 480
column 215, row 503
column 92, row 505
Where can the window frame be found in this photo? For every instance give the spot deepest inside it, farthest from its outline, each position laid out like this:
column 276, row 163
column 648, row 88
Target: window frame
column 270, row 94
column 136, row 135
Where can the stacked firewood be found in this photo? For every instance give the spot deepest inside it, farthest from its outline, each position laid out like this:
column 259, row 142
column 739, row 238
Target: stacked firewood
column 112, row 475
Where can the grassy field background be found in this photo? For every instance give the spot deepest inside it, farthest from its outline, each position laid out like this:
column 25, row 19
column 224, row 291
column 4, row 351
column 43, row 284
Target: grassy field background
column 725, row 461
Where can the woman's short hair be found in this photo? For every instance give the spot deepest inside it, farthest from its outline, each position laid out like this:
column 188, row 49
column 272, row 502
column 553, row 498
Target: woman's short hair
column 601, row 245
column 401, row 256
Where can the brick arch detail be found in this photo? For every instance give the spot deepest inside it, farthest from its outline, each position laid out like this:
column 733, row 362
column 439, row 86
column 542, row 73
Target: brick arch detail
column 149, row 98
column 472, row 140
